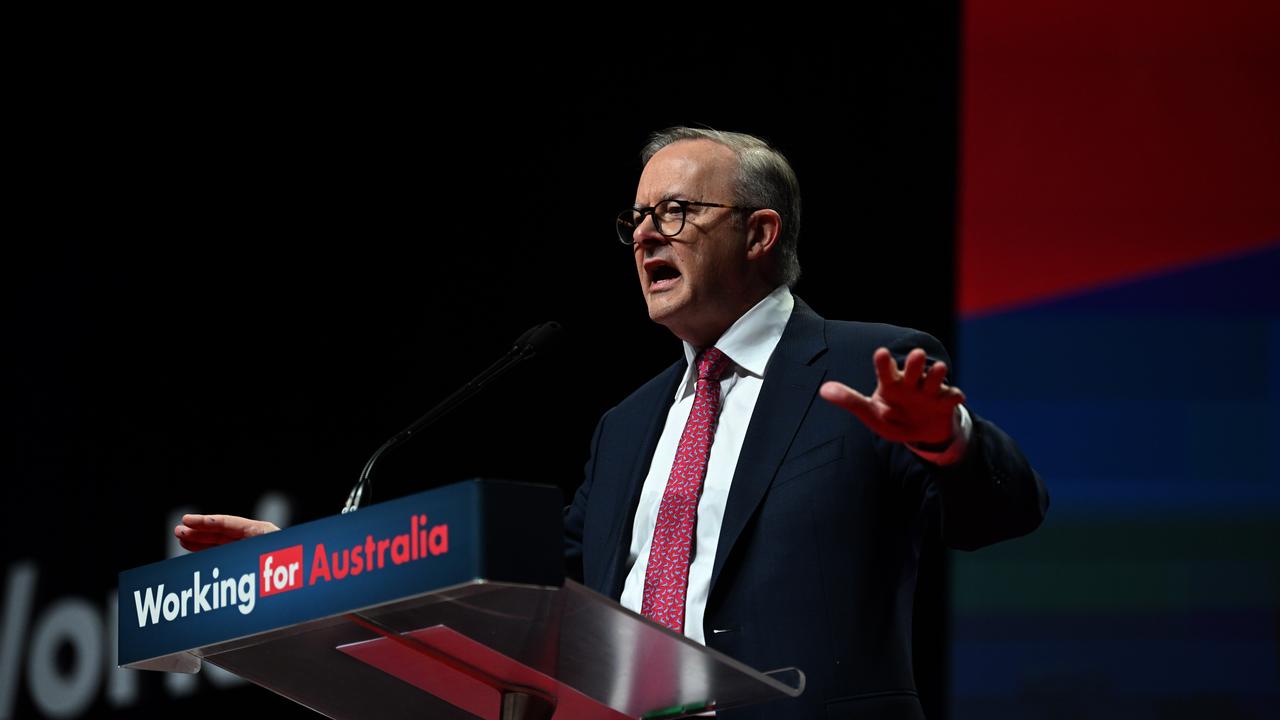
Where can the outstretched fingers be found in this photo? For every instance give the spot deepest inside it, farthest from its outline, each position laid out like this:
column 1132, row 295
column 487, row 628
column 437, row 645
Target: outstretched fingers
column 200, row 532
column 886, row 368
column 846, row 397
column 913, row 369
column 932, row 383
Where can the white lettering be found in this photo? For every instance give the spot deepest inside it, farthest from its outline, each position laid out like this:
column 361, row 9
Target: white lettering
column 153, row 603
column 170, row 610
column 20, row 588
column 69, row 654
column 248, row 594
column 149, row 607
column 228, row 590
column 65, row 691
column 201, row 603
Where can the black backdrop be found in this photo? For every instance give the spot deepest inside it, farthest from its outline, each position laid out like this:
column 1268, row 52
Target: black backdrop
column 233, row 273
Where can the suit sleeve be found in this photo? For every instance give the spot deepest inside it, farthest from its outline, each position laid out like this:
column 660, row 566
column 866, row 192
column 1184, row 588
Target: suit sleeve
column 575, row 514
column 991, row 494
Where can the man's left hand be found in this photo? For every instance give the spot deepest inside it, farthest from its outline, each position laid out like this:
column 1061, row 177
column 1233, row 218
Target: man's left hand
column 910, row 405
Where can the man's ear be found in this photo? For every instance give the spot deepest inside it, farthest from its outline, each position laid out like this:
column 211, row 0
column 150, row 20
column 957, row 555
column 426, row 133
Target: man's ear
column 763, row 229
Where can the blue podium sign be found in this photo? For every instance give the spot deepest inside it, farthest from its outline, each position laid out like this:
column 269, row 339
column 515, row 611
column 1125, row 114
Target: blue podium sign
column 474, row 530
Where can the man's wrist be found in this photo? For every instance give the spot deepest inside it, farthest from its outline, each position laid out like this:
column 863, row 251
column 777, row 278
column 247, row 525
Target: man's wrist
column 952, row 451
column 938, row 447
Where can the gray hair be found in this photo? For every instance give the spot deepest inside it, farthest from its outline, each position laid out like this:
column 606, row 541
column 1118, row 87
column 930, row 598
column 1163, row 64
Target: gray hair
column 764, row 180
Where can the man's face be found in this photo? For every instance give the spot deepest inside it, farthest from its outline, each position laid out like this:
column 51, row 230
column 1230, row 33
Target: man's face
column 697, row 282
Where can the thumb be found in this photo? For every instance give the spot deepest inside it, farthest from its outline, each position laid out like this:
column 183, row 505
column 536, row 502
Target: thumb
column 842, row 395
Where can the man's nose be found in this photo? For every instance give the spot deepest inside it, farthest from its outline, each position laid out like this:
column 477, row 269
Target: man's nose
column 646, row 232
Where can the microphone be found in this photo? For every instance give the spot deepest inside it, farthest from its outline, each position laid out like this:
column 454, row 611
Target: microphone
column 538, row 338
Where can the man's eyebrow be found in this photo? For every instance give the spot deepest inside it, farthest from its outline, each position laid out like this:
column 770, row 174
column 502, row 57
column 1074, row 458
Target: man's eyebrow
column 664, row 198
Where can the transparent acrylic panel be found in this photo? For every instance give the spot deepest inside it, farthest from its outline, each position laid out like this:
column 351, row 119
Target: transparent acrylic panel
column 569, row 647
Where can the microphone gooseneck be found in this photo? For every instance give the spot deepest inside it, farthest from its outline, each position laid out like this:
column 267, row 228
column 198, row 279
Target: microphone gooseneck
column 538, row 338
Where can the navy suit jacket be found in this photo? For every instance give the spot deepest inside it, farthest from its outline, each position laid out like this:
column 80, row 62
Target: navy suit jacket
column 816, row 562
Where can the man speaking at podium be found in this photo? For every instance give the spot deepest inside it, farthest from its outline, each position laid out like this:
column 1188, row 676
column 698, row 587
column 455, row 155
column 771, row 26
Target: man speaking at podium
column 767, row 494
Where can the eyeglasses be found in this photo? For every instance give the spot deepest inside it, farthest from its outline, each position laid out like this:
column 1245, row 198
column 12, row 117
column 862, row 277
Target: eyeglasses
column 668, row 217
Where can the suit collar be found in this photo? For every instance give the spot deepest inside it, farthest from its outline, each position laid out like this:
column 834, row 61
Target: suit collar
column 806, row 335
column 750, row 340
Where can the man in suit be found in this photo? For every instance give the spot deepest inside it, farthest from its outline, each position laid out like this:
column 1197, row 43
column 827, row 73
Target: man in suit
column 766, row 495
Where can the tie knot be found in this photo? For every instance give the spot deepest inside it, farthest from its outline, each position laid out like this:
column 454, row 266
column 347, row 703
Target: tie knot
column 713, row 364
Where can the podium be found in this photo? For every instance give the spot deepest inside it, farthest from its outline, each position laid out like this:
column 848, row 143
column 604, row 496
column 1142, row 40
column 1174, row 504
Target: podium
column 450, row 603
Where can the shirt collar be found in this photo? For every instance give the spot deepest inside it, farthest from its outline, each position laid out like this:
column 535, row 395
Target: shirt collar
column 750, row 340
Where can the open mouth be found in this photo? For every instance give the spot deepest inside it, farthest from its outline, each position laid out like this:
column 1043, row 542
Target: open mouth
column 662, row 277
column 664, row 272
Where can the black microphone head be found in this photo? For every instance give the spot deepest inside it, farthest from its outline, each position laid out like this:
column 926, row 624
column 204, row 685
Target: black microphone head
column 539, row 338
column 523, row 340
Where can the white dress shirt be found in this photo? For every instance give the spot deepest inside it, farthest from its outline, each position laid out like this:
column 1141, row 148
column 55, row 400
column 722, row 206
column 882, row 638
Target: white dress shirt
column 749, row 343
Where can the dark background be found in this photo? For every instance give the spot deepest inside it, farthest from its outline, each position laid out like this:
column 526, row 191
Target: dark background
column 234, row 272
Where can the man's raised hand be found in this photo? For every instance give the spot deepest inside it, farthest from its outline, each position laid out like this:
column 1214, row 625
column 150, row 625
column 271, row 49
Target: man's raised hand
column 909, row 405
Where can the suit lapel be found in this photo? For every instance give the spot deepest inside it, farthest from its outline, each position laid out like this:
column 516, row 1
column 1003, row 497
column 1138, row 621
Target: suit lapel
column 791, row 383
column 654, row 412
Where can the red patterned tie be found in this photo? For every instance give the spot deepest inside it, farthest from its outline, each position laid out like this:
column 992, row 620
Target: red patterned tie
column 666, row 578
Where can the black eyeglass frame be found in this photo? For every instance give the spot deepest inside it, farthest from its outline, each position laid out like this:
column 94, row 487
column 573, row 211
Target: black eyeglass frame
column 631, row 219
